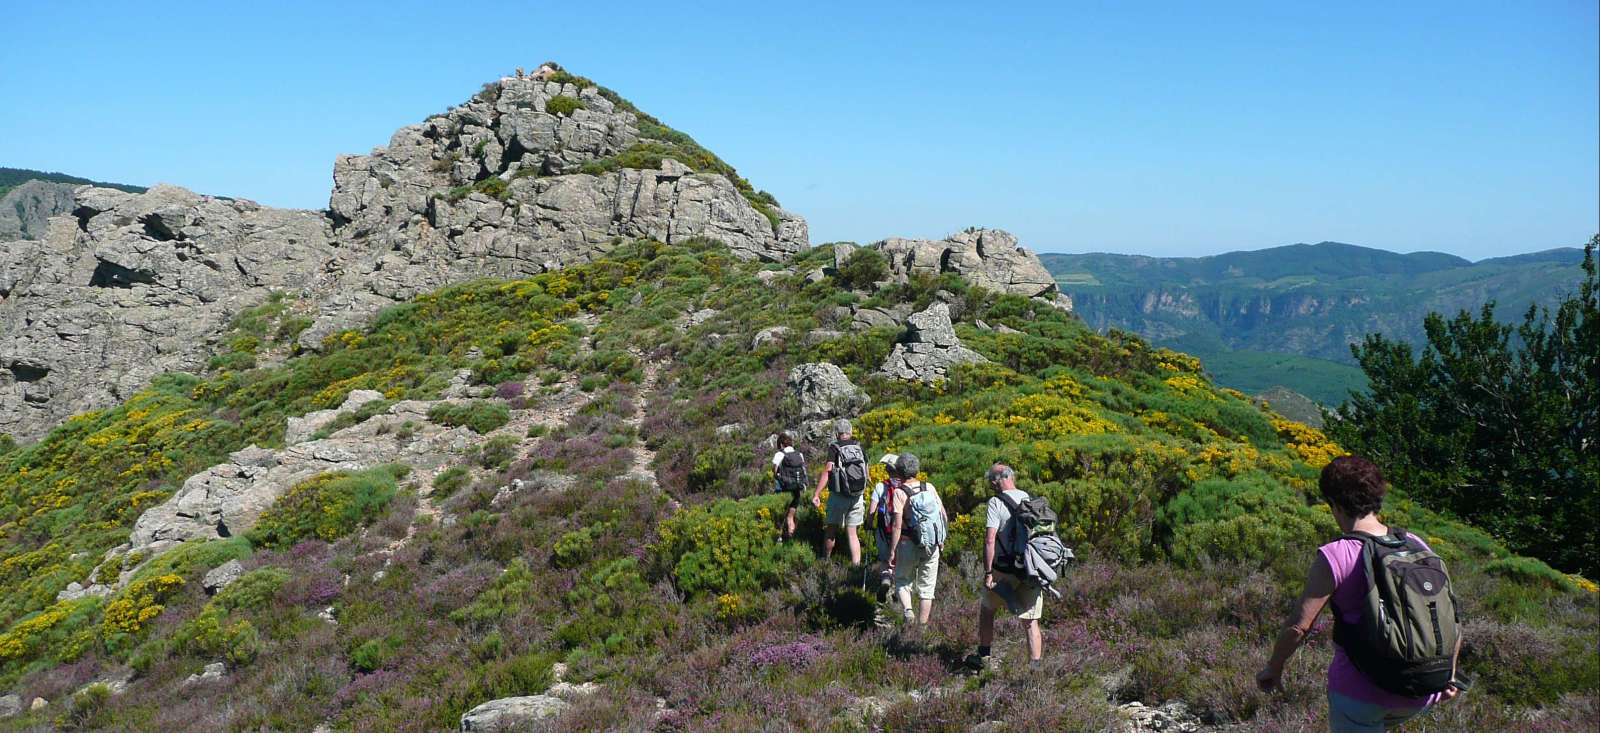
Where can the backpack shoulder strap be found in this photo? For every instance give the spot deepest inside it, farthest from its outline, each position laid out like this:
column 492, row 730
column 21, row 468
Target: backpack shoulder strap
column 1010, row 503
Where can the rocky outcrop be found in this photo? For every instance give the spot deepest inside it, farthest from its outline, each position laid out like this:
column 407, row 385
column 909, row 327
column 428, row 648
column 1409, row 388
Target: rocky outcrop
column 227, row 499
column 988, row 258
column 25, row 211
column 929, row 347
column 824, row 391
column 510, row 714
column 221, row 576
column 10, row 705
column 1173, row 717
column 497, row 188
column 300, row 429
column 133, row 285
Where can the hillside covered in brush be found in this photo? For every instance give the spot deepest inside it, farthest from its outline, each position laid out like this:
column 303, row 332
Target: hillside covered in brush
column 483, row 454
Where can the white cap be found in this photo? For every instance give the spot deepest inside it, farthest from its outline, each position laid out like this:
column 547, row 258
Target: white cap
column 889, row 459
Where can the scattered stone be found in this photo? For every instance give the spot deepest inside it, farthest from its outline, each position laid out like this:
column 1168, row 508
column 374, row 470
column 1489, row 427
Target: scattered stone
column 774, row 336
column 213, row 671
column 1172, row 717
column 863, row 319
column 327, row 614
column 76, row 590
column 698, row 317
column 300, row 429
column 511, row 713
column 824, row 391
column 816, row 276
column 38, row 704
column 221, row 576
column 731, row 430
column 929, row 348
column 819, row 335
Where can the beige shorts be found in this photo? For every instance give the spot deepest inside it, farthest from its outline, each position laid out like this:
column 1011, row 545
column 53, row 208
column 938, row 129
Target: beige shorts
column 1026, row 601
column 915, row 570
column 845, row 511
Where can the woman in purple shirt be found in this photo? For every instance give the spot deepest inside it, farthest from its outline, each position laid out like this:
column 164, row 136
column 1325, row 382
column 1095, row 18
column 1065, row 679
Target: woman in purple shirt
column 1353, row 488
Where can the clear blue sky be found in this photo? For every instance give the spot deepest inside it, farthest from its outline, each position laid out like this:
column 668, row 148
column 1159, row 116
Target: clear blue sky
column 1158, row 128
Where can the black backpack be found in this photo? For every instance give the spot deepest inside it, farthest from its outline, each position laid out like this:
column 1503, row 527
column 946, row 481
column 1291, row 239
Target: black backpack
column 1406, row 639
column 792, row 474
column 849, row 468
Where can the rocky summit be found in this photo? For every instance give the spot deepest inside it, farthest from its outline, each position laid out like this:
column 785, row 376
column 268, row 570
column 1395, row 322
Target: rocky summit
column 525, row 177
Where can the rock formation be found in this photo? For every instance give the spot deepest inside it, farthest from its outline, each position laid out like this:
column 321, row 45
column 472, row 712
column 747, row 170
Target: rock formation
column 929, row 347
column 25, row 211
column 132, row 285
column 988, row 258
column 824, row 391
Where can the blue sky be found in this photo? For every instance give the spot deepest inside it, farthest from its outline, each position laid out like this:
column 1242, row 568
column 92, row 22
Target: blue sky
column 1156, row 128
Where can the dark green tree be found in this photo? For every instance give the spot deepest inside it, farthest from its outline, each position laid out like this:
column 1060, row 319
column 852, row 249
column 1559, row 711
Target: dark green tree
column 1495, row 423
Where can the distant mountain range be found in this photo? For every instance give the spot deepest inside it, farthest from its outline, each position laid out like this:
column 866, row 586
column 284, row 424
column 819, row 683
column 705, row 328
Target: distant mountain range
column 1286, row 316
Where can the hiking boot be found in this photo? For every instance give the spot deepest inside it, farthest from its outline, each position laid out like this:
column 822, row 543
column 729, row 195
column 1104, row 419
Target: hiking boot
column 977, row 663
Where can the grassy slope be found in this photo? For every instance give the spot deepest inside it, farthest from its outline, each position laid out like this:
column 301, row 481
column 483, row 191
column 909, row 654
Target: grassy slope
column 1191, row 506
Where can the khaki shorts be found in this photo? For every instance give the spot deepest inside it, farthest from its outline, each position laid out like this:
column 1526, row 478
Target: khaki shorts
column 915, row 570
column 846, row 511
column 1026, row 601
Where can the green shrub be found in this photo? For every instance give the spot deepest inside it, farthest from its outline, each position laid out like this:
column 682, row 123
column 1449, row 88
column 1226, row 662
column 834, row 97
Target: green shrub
column 864, row 267
column 576, row 547
column 1529, row 571
column 1252, row 519
column 563, row 105
column 497, row 452
column 479, row 416
column 327, row 506
column 713, row 465
column 451, row 480
column 728, row 547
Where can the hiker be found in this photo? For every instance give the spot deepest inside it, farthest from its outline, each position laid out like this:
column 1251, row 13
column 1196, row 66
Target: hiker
column 916, row 538
column 1371, row 686
column 789, row 475
column 1025, row 600
column 845, row 475
column 879, row 519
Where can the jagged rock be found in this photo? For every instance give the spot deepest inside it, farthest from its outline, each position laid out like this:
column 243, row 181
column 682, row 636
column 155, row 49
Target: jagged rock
column 928, row 348
column 1173, row 717
column 25, row 211
column 824, row 391
column 221, row 576
column 511, row 713
column 774, row 336
column 10, row 705
column 76, row 591
column 988, row 258
column 300, row 429
column 842, row 251
column 133, row 285
column 227, row 499
column 213, row 671
column 816, row 276
column 867, row 318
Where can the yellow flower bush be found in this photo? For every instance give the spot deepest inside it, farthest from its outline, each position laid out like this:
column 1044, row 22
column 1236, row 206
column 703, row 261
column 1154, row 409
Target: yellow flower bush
column 1308, row 443
column 137, row 604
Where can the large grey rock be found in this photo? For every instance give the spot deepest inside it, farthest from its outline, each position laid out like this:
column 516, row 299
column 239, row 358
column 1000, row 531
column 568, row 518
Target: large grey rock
column 511, row 713
column 228, row 499
column 824, row 391
column 221, row 576
column 988, row 258
column 212, row 671
column 928, row 348
column 300, row 429
column 134, row 285
column 25, row 211
column 774, row 336
column 1173, row 717
column 10, row 705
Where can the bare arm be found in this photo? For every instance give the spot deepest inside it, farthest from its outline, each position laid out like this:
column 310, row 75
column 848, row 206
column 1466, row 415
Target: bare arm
column 1319, row 588
column 988, row 557
column 822, row 480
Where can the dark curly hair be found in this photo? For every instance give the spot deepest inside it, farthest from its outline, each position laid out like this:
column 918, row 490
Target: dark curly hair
column 1354, row 484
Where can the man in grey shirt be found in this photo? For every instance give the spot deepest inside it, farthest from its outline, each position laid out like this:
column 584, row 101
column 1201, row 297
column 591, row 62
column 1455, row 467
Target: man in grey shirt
column 1025, row 600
